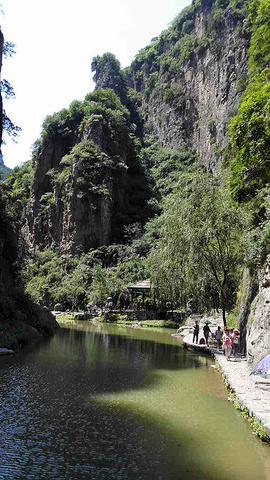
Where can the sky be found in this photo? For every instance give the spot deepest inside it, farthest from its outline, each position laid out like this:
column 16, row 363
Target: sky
column 55, row 43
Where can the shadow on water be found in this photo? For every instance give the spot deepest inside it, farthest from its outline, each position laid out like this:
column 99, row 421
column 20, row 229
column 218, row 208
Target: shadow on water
column 96, row 404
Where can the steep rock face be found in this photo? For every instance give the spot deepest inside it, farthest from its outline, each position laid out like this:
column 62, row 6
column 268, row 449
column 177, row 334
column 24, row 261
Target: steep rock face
column 87, row 186
column 188, row 81
column 8, row 247
column 193, row 105
column 8, row 251
column 39, row 222
column 258, row 325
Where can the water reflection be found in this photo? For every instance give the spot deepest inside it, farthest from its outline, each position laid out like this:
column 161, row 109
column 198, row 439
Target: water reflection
column 106, row 403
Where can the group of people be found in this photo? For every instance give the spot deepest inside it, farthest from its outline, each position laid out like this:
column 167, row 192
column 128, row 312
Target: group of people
column 230, row 340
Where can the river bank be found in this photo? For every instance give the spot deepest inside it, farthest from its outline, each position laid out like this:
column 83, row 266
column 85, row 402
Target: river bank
column 117, row 319
column 250, row 394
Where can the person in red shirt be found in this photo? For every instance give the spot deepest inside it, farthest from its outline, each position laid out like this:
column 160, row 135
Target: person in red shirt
column 227, row 342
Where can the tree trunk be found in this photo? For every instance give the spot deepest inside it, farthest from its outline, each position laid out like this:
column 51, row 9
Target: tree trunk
column 224, row 316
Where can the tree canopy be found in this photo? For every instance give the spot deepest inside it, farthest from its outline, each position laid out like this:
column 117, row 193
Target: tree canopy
column 200, row 249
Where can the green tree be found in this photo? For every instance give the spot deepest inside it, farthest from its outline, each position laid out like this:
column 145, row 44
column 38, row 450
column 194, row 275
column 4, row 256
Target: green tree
column 101, row 286
column 108, row 74
column 250, row 142
column 200, row 250
column 74, row 286
column 249, row 130
column 18, row 184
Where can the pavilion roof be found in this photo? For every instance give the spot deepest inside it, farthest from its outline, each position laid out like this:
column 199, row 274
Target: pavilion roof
column 142, row 285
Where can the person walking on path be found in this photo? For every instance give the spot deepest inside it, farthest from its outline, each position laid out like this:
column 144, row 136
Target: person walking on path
column 196, row 329
column 235, row 342
column 218, row 335
column 227, row 342
column 206, row 332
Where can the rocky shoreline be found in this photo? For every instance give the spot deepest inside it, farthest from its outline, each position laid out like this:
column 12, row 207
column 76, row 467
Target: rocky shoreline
column 33, row 322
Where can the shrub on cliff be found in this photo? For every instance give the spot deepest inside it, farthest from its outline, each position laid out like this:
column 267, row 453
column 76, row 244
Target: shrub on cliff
column 249, row 129
column 250, row 142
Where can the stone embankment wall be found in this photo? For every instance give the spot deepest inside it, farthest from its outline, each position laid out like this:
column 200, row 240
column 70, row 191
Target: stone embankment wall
column 258, row 324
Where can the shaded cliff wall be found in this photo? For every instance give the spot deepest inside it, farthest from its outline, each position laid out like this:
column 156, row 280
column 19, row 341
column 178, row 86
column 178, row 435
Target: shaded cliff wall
column 8, row 247
column 20, row 318
column 8, row 250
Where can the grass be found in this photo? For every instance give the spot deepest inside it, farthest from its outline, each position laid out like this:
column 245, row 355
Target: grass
column 121, row 320
column 256, row 426
column 65, row 318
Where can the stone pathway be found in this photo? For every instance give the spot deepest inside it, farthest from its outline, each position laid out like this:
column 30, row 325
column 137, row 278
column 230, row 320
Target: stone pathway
column 251, row 391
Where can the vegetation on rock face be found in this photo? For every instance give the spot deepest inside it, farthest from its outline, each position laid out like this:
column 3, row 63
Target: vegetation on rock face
column 108, row 74
column 249, row 129
column 167, row 168
column 18, row 185
column 249, row 157
column 250, row 141
column 157, row 68
column 100, row 165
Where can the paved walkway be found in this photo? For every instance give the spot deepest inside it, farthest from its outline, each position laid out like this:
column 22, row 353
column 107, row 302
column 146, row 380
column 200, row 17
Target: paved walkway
column 251, row 391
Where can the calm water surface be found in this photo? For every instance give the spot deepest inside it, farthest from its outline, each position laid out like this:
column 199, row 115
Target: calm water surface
column 106, row 402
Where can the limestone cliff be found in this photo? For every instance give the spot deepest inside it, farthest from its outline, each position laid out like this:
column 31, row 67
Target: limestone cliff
column 200, row 65
column 88, row 183
column 258, row 324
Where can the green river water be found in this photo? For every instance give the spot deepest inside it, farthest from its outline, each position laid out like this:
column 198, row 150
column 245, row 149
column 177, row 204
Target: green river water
column 107, row 402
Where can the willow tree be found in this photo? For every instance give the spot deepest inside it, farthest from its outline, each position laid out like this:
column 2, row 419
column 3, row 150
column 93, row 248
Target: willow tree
column 201, row 248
